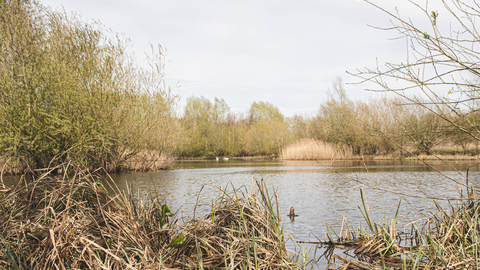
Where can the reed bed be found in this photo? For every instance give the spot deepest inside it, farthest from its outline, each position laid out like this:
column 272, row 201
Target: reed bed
column 152, row 160
column 312, row 149
column 79, row 220
column 448, row 240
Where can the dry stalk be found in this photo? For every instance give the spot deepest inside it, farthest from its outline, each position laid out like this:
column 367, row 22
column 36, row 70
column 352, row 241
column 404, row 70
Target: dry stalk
column 81, row 221
column 311, row 149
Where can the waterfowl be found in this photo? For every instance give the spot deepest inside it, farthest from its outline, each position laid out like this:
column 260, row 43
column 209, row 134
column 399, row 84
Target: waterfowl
column 217, row 158
column 225, row 158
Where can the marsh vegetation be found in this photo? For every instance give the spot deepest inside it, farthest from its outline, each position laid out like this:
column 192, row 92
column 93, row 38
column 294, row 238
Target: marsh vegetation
column 447, row 239
column 81, row 220
column 439, row 82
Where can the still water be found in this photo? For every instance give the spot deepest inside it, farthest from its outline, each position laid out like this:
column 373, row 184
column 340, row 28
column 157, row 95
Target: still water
column 321, row 193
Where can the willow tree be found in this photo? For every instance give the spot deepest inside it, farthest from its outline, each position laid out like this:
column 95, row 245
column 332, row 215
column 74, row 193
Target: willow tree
column 338, row 119
column 71, row 89
column 442, row 69
column 206, row 127
column 268, row 132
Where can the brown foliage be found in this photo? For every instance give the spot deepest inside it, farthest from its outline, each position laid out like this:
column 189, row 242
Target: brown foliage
column 83, row 222
column 310, row 149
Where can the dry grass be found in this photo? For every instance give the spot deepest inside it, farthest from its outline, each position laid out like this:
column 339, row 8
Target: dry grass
column 12, row 165
column 72, row 222
column 311, row 149
column 149, row 161
column 447, row 240
column 241, row 232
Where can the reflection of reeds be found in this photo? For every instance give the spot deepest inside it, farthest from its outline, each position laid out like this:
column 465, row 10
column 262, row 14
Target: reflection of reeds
column 77, row 222
column 311, row 149
column 448, row 240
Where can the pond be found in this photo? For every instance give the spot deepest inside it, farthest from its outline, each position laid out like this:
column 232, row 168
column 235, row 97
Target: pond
column 322, row 193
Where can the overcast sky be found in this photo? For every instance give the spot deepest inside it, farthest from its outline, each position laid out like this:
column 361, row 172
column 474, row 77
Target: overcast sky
column 284, row 52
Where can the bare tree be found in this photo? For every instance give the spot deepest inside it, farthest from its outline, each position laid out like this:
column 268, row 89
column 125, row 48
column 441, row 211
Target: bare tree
column 441, row 72
column 442, row 69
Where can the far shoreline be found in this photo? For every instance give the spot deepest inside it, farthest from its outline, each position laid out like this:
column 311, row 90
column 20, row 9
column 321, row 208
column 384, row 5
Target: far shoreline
column 353, row 158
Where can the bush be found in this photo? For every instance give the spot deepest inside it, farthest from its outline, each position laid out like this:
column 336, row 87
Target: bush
column 69, row 89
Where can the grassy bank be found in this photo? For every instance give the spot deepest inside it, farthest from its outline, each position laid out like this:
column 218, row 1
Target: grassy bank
column 81, row 220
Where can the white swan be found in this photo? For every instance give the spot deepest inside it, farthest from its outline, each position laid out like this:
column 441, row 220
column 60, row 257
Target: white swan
column 225, row 158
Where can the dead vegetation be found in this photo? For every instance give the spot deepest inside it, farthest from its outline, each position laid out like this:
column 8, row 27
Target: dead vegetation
column 312, row 149
column 79, row 220
column 149, row 161
column 446, row 240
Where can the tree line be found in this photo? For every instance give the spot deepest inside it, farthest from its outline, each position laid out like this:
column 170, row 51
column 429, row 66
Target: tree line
column 378, row 126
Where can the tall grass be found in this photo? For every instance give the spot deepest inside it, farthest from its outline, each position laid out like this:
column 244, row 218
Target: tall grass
column 311, row 149
column 80, row 220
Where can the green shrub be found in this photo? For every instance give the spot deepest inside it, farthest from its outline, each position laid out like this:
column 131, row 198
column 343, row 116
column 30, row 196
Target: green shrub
column 67, row 88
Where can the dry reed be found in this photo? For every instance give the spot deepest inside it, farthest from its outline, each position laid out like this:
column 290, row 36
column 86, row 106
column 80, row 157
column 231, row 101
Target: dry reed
column 447, row 240
column 82, row 221
column 152, row 160
column 312, row 149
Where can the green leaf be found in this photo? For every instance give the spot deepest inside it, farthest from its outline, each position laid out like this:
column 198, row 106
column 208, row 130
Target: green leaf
column 177, row 242
column 166, row 211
